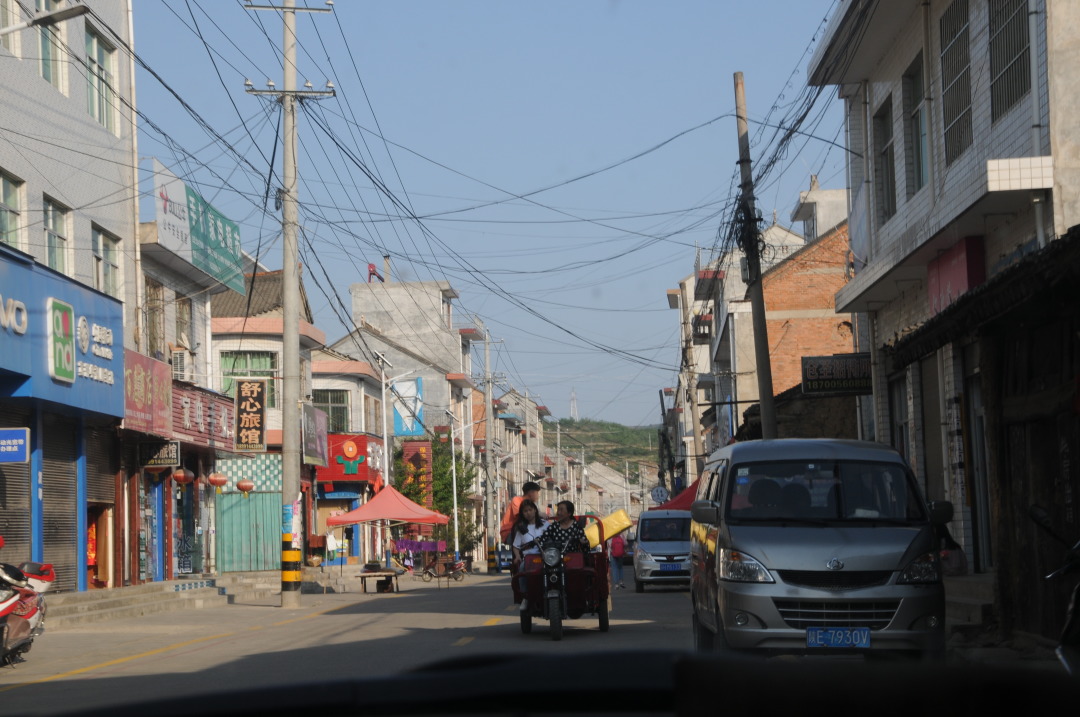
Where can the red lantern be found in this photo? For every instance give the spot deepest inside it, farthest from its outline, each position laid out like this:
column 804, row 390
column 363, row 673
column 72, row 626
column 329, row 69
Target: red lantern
column 245, row 486
column 183, row 476
column 218, row 480
column 155, row 469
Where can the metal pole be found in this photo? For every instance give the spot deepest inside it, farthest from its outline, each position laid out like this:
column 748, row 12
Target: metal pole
column 491, row 466
column 753, row 262
column 453, row 473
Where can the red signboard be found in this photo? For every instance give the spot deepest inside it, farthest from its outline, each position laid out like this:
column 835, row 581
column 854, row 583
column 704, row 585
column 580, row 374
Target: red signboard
column 147, row 394
column 954, row 273
column 352, row 458
column 202, row 417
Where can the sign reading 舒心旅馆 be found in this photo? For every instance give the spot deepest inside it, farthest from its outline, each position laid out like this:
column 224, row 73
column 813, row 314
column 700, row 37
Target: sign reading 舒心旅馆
column 249, row 433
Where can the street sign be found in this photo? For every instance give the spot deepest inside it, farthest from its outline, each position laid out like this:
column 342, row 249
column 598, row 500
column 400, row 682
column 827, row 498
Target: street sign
column 659, row 494
column 14, row 445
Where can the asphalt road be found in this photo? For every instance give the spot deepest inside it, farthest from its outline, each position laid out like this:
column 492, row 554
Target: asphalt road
column 330, row 637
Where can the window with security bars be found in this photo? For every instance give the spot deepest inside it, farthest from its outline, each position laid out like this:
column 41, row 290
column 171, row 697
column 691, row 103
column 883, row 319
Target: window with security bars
column 915, row 128
column 1010, row 69
column 250, row 364
column 335, row 402
column 373, row 414
column 956, row 79
column 56, row 240
column 100, row 100
column 9, row 210
column 885, row 162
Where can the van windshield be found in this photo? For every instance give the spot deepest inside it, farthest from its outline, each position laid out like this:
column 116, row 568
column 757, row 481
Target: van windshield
column 654, row 530
column 823, row 491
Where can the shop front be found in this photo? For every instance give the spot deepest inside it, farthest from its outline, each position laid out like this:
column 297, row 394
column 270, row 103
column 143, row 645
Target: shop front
column 61, row 398
column 352, row 476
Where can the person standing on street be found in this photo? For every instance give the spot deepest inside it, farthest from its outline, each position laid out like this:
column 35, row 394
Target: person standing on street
column 616, row 549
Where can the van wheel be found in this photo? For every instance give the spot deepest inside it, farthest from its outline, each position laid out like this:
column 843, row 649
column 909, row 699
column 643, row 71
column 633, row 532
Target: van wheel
column 703, row 637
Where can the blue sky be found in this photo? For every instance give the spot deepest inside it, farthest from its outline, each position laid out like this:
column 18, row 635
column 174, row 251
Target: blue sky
column 559, row 163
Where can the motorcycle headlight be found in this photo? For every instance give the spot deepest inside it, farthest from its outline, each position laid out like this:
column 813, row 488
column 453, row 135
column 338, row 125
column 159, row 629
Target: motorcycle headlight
column 741, row 568
column 923, row 570
column 551, row 556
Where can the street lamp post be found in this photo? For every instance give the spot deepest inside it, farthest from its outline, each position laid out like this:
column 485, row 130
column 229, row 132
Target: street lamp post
column 47, row 19
column 388, row 456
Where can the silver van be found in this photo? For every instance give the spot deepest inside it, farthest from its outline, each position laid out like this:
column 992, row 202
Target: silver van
column 662, row 551
column 815, row 546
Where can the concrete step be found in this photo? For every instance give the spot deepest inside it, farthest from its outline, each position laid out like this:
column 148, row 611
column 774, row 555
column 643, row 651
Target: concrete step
column 72, row 613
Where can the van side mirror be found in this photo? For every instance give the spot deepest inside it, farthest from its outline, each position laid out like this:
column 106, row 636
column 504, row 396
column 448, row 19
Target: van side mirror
column 941, row 512
column 705, row 511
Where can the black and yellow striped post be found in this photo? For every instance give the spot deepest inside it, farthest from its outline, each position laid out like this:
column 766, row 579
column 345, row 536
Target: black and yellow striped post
column 291, row 571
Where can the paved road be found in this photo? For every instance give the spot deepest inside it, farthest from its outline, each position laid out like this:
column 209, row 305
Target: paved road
column 331, row 637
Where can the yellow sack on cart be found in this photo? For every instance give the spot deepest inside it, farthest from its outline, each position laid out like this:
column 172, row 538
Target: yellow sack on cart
column 614, row 524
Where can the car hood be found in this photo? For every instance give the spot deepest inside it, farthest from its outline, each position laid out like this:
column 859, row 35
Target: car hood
column 665, row 547
column 870, row 547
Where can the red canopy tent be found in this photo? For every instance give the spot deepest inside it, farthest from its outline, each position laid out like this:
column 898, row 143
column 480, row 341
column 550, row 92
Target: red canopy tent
column 392, row 506
column 682, row 501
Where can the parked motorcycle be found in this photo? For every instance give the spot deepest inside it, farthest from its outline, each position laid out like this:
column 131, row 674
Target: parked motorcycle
column 435, row 569
column 22, row 607
column 1068, row 649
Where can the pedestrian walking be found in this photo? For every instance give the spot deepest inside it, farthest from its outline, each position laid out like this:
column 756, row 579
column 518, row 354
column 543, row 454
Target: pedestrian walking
column 616, row 549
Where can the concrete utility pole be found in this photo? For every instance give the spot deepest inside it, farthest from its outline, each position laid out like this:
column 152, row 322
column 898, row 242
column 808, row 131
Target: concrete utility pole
column 491, row 465
column 291, row 545
column 753, row 264
column 685, row 291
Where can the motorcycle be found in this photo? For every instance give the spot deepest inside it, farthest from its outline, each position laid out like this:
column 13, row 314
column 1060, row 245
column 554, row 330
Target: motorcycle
column 563, row 584
column 435, row 569
column 22, row 607
column 1068, row 649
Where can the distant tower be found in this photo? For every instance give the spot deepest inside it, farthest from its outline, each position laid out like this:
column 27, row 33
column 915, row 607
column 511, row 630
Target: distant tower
column 573, row 405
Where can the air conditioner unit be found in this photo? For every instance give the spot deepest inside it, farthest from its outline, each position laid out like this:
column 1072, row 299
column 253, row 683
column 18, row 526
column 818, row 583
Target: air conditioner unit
column 183, row 367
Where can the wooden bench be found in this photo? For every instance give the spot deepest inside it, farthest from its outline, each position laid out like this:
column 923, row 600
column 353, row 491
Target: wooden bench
column 393, row 575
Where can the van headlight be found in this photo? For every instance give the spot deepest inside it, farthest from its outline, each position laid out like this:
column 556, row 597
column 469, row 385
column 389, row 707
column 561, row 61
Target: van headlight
column 741, row 568
column 921, row 571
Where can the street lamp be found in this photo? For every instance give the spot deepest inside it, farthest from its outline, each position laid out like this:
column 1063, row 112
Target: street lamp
column 453, row 472
column 388, row 457
column 47, row 19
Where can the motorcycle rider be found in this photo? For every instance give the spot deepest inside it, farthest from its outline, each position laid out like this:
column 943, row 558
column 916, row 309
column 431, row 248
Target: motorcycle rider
column 565, row 530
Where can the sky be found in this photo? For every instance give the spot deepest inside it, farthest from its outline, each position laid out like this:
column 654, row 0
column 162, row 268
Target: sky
column 562, row 163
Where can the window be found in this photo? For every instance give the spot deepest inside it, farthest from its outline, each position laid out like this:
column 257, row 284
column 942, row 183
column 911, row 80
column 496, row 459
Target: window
column 336, row 404
column 373, row 417
column 49, row 45
column 250, row 364
column 885, row 167
column 155, row 319
column 56, row 244
column 106, row 250
column 9, row 210
column 955, row 80
column 1010, row 77
column 7, row 17
column 183, row 321
column 915, row 111
column 99, row 79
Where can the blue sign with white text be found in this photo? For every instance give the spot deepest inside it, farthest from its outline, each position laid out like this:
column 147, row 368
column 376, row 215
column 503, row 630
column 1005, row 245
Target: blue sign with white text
column 14, row 445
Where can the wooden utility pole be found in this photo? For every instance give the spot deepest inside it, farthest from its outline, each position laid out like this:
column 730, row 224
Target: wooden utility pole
column 753, row 265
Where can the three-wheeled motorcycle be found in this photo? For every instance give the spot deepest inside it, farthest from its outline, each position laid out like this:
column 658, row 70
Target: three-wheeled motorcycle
column 563, row 583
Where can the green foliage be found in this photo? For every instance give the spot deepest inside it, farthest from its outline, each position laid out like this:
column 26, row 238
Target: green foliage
column 440, row 487
column 612, row 444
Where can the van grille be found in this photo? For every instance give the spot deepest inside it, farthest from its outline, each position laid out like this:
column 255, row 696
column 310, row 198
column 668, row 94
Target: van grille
column 835, row 579
column 801, row 614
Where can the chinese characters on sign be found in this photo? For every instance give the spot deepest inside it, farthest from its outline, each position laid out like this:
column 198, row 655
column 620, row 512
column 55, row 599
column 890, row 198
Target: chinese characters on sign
column 147, row 394
column 841, row 373
column 159, row 454
column 250, row 432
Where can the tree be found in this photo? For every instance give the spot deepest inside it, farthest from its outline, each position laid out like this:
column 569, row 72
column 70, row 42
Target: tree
column 440, row 487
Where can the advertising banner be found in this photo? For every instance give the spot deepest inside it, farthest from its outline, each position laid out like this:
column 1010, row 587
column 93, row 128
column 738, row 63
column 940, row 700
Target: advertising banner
column 314, row 443
column 147, row 394
column 202, row 417
column 408, row 401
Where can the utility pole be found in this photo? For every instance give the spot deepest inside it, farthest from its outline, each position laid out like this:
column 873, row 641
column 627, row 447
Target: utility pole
column 291, row 545
column 753, row 264
column 691, row 383
column 491, row 465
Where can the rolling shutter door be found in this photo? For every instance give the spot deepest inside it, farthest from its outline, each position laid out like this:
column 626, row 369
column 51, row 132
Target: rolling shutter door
column 58, row 499
column 102, row 465
column 15, row 494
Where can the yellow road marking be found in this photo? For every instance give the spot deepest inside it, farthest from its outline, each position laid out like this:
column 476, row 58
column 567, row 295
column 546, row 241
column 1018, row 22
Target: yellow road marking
column 492, row 621
column 118, row 661
column 464, row 641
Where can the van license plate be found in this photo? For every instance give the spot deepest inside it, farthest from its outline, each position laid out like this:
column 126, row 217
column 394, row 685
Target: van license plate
column 838, row 637
column 667, row 567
